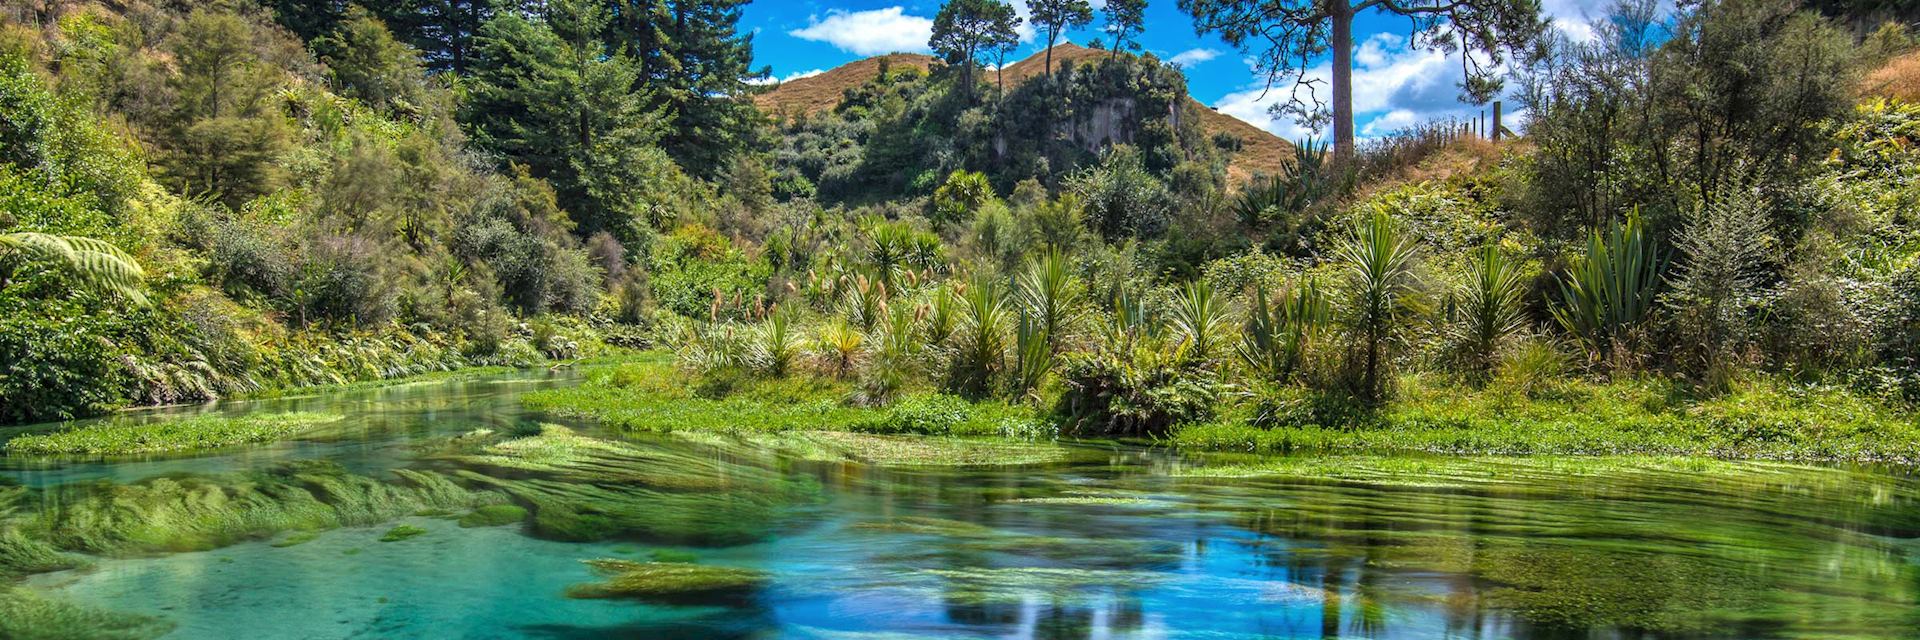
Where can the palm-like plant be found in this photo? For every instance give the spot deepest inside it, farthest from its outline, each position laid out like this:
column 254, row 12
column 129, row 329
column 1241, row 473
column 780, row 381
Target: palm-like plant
column 1198, row 320
column 1608, row 292
column 1033, row 354
column 96, row 265
column 1274, row 340
column 1050, row 297
column 980, row 354
column 838, row 346
column 1491, row 309
column 1378, row 258
column 775, row 345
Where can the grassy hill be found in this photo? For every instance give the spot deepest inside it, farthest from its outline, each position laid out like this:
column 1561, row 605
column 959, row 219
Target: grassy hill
column 1261, row 152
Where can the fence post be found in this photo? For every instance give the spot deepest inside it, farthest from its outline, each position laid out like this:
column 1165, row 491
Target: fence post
column 1496, row 121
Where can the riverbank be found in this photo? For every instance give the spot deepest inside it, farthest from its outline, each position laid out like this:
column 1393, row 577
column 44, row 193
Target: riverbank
column 1759, row 418
column 643, row 392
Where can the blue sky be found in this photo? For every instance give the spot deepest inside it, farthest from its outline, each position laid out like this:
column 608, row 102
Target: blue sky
column 1394, row 86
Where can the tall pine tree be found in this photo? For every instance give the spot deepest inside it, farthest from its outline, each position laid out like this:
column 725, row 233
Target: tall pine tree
column 555, row 97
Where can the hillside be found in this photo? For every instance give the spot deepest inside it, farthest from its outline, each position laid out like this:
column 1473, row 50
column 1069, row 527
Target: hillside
column 1261, row 152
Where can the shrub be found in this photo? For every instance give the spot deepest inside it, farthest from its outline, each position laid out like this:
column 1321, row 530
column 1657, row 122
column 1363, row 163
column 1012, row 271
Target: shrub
column 1607, row 293
column 935, row 414
column 1141, row 393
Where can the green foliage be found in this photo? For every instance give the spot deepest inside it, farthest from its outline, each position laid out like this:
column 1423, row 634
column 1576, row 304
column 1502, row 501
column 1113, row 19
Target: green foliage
column 93, row 264
column 980, row 345
column 555, row 96
column 1199, row 320
column 1491, row 310
column 1133, row 393
column 28, row 616
column 1725, row 245
column 1377, row 260
column 1121, row 198
column 964, row 31
column 1279, row 334
column 1608, row 293
column 961, row 196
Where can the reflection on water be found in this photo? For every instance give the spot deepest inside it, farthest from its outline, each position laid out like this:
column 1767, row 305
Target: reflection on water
column 1113, row 543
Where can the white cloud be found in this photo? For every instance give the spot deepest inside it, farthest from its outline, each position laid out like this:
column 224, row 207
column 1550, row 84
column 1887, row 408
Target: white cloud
column 1192, row 57
column 790, row 77
column 1393, row 87
column 869, row 33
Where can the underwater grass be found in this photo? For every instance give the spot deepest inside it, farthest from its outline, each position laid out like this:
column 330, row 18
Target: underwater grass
column 121, row 437
column 403, row 532
column 195, row 513
column 668, row 581
column 493, row 515
column 582, row 489
column 25, row 615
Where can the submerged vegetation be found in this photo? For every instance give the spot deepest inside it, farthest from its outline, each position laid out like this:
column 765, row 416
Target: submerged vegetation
column 122, row 437
column 668, row 581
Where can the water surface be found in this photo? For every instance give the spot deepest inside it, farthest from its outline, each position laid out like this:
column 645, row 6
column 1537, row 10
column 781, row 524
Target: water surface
column 1114, row 542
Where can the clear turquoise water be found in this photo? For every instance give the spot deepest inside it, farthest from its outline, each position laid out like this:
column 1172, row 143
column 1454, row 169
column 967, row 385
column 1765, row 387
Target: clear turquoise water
column 1115, row 543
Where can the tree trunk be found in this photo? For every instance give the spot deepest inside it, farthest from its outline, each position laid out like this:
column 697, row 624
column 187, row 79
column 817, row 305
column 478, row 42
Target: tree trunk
column 1051, row 36
column 1342, row 18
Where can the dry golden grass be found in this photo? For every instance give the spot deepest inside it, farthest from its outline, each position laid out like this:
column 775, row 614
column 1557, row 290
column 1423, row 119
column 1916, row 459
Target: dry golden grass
column 819, row 93
column 1260, row 152
column 1898, row 79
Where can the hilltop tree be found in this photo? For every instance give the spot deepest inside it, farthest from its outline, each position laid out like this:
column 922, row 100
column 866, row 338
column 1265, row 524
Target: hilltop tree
column 1057, row 16
column 1124, row 18
column 1296, row 32
column 965, row 30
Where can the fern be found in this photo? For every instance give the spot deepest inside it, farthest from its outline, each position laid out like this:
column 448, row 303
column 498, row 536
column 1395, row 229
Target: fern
column 95, row 264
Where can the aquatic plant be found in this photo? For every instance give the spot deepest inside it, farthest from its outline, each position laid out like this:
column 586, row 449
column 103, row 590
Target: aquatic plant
column 402, row 532
column 494, row 515
column 25, row 615
column 191, row 513
column 668, row 581
column 124, row 437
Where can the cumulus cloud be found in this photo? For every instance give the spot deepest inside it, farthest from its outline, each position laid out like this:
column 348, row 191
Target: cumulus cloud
column 790, row 77
column 870, row 32
column 1393, row 87
column 1192, row 57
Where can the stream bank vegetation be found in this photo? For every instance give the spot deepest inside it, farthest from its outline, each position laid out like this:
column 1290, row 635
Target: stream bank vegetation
column 1701, row 244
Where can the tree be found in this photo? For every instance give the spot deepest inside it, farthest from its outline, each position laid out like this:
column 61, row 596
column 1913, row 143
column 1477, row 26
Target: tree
column 1057, row 16
column 554, row 97
column 694, row 64
column 1124, row 18
column 966, row 29
column 226, row 131
column 365, row 61
column 1296, row 33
